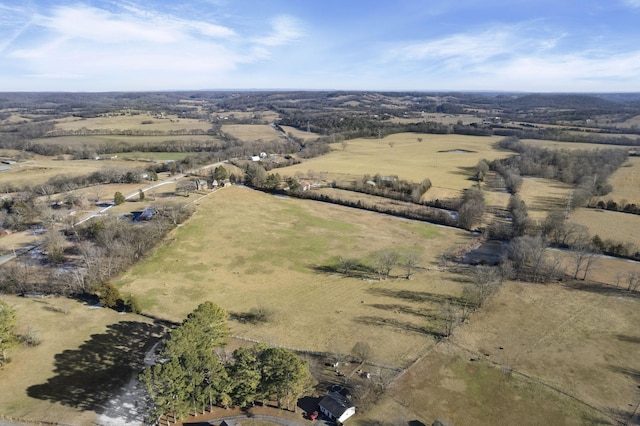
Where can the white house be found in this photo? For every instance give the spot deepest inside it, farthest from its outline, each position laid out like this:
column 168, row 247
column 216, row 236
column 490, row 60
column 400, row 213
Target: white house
column 336, row 407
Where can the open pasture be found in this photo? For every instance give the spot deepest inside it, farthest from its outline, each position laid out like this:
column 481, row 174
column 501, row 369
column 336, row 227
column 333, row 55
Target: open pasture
column 448, row 160
column 542, row 195
column 549, row 144
column 626, row 183
column 251, row 132
column 574, row 340
column 300, row 133
column 39, row 169
column 142, row 121
column 85, row 357
column 609, row 225
column 115, row 142
column 244, row 249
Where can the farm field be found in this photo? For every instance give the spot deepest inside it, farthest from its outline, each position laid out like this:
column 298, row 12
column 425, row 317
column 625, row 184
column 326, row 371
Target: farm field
column 571, row 145
column 626, row 183
column 39, row 169
column 300, row 134
column 244, row 249
column 132, row 122
column 442, row 158
column 577, row 340
column 251, row 132
column 85, row 356
column 115, row 141
column 542, row 195
column 616, row 226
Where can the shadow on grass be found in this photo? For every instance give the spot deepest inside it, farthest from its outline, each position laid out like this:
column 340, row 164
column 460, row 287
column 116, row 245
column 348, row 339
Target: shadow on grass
column 357, row 271
column 603, row 289
column 629, row 339
column 397, row 325
column 418, row 296
column 87, row 378
column 404, row 309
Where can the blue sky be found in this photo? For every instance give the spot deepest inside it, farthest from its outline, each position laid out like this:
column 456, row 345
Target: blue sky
column 422, row 45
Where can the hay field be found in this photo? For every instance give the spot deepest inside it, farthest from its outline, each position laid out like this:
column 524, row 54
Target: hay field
column 612, row 225
column 542, row 195
column 244, row 249
column 626, row 183
column 74, row 372
column 251, row 132
column 578, row 341
column 438, row 157
column 132, row 122
column 301, row 134
column 543, row 143
column 39, row 169
column 114, row 141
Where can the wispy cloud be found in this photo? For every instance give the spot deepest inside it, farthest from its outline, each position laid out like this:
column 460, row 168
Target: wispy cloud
column 285, row 29
column 633, row 3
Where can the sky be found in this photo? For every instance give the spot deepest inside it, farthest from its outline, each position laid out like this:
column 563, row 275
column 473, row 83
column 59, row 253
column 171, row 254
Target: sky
column 393, row 45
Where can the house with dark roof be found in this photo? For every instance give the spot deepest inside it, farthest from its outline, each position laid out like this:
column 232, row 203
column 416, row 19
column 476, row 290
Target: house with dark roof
column 337, row 407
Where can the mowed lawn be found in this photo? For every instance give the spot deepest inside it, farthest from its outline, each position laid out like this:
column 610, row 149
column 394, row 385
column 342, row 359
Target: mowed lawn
column 244, row 249
column 85, row 357
column 574, row 340
column 448, row 160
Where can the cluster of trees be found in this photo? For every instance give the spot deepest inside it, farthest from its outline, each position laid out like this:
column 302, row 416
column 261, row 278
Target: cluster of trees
column 190, row 375
column 472, row 208
column 587, row 169
column 412, row 211
column 105, row 247
column 8, row 336
column 623, row 206
column 379, row 265
column 389, row 187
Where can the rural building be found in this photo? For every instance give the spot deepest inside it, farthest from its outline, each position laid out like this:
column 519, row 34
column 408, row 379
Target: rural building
column 255, row 158
column 305, row 185
column 229, row 423
column 336, row 407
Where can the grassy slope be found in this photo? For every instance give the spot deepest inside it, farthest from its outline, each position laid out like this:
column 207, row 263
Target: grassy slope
column 245, row 249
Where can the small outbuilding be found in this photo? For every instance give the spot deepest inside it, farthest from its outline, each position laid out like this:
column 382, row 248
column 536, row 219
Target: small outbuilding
column 336, row 407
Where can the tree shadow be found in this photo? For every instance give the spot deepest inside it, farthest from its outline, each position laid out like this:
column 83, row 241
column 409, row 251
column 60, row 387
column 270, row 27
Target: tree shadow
column 89, row 377
column 417, row 296
column 602, row 289
column 404, row 309
column 397, row 325
column 357, row 271
column 629, row 339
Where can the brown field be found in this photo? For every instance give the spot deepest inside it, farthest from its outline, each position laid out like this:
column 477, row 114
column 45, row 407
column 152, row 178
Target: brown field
column 39, row 169
column 542, row 195
column 67, row 377
column 576, row 340
column 626, row 183
column 244, row 249
column 251, row 132
column 119, row 140
column 265, row 116
column 450, row 172
column 572, row 145
column 301, row 134
column 132, row 122
column 616, row 226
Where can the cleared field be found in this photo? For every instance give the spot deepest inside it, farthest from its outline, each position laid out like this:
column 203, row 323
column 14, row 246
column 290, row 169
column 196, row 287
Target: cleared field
column 448, row 160
column 113, row 141
column 571, row 145
column 85, row 357
column 251, row 132
column 40, row 169
column 542, row 195
column 133, row 122
column 626, row 183
column 575, row 340
column 244, row 249
column 301, row 134
column 616, row 226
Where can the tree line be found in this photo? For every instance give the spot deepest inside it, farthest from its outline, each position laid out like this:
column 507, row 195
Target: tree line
column 192, row 374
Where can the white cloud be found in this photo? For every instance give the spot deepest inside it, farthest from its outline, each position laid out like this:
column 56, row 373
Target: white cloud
column 632, row 3
column 285, row 29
